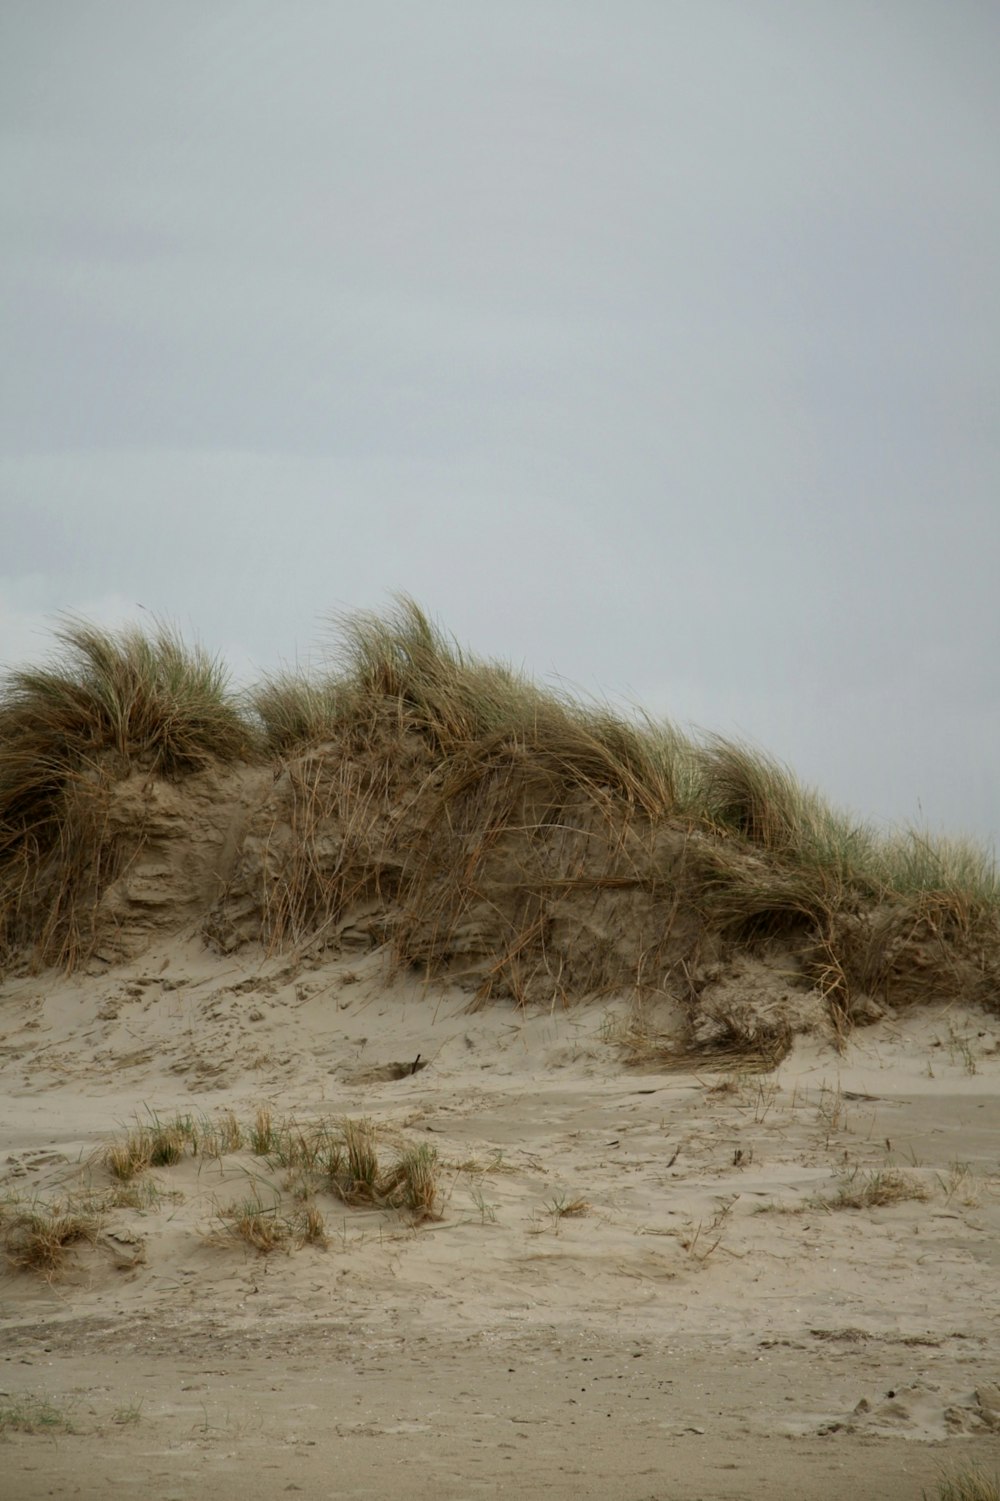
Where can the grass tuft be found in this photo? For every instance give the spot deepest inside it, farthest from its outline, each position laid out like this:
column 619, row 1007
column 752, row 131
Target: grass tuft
column 259, row 1225
column 262, row 1136
column 153, row 1144
column 30, row 1414
column 972, row 1484
column 37, row 1237
column 875, row 1190
column 296, row 711
column 412, row 1183
column 107, row 705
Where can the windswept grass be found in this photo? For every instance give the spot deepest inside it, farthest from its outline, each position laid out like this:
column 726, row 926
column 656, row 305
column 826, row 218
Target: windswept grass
column 108, row 704
column 139, row 700
column 157, row 1143
column 261, row 1226
column 568, row 848
column 341, row 1158
column 296, row 710
column 968, row 1484
column 914, row 863
column 875, row 1190
column 37, row 1237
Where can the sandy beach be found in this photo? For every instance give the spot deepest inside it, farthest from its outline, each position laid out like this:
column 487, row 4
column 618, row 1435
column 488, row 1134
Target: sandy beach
column 640, row 1284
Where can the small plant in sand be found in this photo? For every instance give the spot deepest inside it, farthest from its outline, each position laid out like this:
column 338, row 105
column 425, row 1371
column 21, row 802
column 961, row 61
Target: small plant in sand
column 476, row 1168
column 313, row 1227
column 705, row 1240
column 340, row 1157
column 37, row 1237
column 562, row 1207
column 357, row 1176
column 961, row 1185
column 261, row 1226
column 732, row 1042
column 30, row 1414
column 874, row 1190
column 960, row 1049
column 831, row 1110
column 316, row 1148
column 775, row 1206
column 227, row 1136
column 169, row 1144
column 127, row 1158
column 357, row 1181
column 487, row 1212
column 128, row 1414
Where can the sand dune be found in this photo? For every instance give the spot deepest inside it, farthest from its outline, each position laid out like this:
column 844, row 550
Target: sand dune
column 416, row 1084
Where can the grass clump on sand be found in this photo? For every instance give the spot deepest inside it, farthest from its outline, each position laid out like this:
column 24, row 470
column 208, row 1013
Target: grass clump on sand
column 37, row 1237
column 875, row 1190
column 457, row 792
column 972, row 1484
column 159, row 1143
column 266, row 1228
column 107, row 705
column 343, row 1157
column 30, row 1414
column 339, row 1158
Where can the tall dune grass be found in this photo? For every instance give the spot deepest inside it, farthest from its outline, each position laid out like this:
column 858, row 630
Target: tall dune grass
column 295, row 710
column 430, row 762
column 107, row 704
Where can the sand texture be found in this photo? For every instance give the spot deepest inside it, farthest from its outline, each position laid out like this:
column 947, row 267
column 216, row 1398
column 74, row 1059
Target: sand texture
column 639, row 1284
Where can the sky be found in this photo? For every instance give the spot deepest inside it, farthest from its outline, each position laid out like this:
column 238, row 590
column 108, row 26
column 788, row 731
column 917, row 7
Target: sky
column 651, row 345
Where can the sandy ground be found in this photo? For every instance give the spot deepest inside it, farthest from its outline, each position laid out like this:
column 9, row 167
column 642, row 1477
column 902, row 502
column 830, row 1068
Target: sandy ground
column 707, row 1324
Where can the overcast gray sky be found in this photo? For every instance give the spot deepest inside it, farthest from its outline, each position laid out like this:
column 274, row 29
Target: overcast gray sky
column 650, row 343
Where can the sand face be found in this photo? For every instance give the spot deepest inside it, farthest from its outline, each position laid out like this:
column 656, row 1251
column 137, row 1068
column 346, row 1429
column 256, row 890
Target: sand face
column 640, row 1284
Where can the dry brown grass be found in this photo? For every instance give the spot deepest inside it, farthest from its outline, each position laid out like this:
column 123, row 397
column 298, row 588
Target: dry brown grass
column 263, row 1227
column 297, row 711
column 37, row 1237
column 533, row 845
column 564, row 1208
column 736, row 1043
column 968, row 1484
column 875, row 1190
column 155, row 1143
column 412, row 1183
column 108, row 704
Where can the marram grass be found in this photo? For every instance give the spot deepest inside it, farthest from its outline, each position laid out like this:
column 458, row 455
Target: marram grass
column 425, row 761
